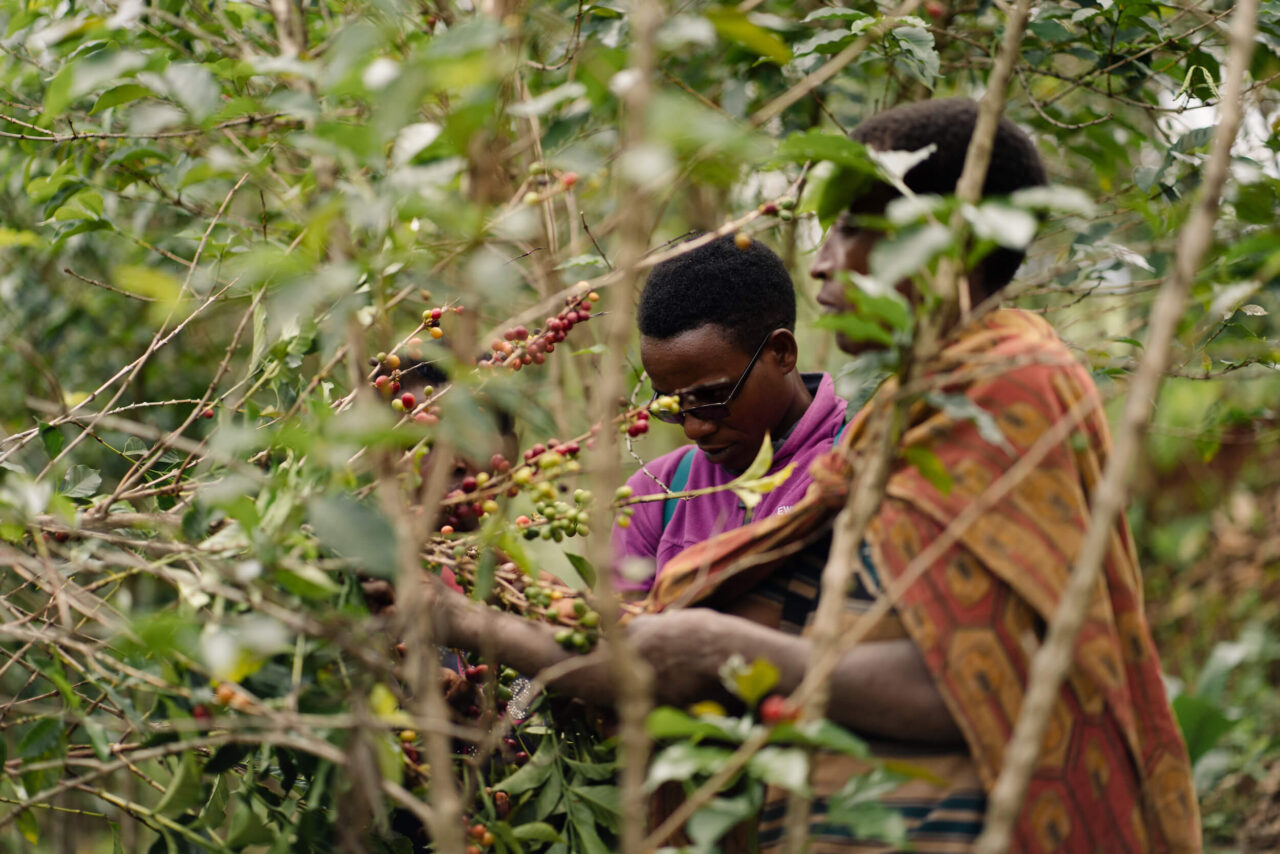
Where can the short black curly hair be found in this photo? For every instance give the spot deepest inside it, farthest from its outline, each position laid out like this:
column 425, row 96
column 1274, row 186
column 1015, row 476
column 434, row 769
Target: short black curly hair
column 746, row 292
column 948, row 124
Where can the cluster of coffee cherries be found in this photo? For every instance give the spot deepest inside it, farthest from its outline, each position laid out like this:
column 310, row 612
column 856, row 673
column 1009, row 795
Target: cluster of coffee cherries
column 579, row 623
column 586, row 635
column 555, row 519
column 783, row 208
column 636, row 425
column 520, row 346
column 388, row 385
column 537, row 170
column 475, row 495
column 431, row 320
column 625, row 511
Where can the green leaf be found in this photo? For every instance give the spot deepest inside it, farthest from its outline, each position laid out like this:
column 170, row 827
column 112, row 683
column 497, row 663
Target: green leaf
column 927, row 463
column 42, row 739
column 854, row 328
column 122, row 94
column 52, row 439
column 1002, row 224
column 185, row 789
column 838, row 191
column 193, row 87
column 549, row 800
column 1202, row 724
column 919, row 54
column 718, row 817
column 536, row 831
column 822, row 734
column 827, row 13
column 534, row 772
column 356, row 531
column 908, row 252
column 309, row 582
column 815, row 145
column 750, row 682
column 483, row 585
column 583, row 567
column 148, row 282
column 859, row 807
column 604, row 797
column 667, row 724
column 80, row 482
column 760, row 465
column 247, row 827
column 86, row 204
column 735, row 26
column 824, row 42
column 682, row 760
column 787, row 767
column 98, row 739
column 86, row 74
column 28, row 826
column 962, row 408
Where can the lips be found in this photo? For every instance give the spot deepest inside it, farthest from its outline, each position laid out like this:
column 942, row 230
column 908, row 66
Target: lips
column 714, row 451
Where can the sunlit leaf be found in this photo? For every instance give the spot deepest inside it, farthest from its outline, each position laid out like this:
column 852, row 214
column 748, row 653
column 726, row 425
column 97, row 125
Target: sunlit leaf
column 927, row 463
column 736, row 26
column 750, row 682
column 787, row 767
column 118, row 95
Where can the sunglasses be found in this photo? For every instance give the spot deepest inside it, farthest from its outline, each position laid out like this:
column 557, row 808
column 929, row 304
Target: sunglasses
column 717, row 411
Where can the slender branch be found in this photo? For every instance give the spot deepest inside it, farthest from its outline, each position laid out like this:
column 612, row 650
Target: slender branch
column 872, row 473
column 828, row 70
column 634, row 677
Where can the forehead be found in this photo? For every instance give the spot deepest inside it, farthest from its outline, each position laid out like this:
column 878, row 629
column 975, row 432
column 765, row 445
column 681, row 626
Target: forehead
column 696, row 357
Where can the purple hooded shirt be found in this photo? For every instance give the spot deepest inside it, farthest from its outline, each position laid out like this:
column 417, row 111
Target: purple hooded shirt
column 701, row 518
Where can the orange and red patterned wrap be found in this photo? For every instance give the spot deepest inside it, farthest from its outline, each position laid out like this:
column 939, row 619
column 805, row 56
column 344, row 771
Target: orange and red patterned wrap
column 1113, row 773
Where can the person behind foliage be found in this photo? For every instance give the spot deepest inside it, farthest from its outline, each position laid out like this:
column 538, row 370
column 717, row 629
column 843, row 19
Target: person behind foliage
column 717, row 333
column 1113, row 774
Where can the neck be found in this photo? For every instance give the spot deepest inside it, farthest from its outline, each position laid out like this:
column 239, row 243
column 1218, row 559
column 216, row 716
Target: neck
column 800, row 400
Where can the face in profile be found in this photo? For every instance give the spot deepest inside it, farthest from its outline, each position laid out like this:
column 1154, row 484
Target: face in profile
column 847, row 248
column 706, row 369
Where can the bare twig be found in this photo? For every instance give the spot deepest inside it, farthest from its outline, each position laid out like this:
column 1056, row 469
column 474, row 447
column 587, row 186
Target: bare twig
column 828, row 70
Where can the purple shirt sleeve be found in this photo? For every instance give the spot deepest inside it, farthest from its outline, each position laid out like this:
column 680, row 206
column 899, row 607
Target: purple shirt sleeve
column 639, row 541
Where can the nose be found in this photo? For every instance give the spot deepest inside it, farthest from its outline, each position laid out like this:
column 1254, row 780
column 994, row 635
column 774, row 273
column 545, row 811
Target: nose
column 824, row 263
column 696, row 428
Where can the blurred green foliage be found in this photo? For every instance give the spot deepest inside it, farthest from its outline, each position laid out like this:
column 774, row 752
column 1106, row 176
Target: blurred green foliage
column 233, row 205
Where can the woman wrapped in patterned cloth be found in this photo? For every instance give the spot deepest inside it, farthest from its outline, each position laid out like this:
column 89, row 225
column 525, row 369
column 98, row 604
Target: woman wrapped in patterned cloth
column 1113, row 773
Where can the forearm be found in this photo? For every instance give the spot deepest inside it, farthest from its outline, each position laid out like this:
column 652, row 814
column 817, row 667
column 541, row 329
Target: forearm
column 879, row 688
column 526, row 645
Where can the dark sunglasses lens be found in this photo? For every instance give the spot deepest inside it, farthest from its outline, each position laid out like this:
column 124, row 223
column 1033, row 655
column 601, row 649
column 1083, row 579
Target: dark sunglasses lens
column 710, row 411
column 668, row 416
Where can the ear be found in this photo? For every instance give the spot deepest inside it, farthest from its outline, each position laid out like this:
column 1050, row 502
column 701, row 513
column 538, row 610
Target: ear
column 783, row 350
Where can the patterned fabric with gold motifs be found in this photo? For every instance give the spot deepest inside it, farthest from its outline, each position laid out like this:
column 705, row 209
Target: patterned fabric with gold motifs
column 1113, row 774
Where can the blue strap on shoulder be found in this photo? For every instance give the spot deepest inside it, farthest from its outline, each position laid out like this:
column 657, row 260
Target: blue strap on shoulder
column 835, row 443
column 678, row 482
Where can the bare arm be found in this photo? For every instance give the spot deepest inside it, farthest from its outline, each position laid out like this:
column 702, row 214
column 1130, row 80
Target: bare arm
column 879, row 688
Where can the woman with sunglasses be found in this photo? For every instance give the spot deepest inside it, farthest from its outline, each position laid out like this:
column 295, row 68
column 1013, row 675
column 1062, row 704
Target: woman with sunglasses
column 716, row 327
